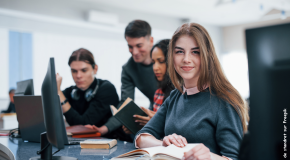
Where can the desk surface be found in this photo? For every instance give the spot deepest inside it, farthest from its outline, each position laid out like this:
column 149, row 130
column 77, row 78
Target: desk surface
column 25, row 150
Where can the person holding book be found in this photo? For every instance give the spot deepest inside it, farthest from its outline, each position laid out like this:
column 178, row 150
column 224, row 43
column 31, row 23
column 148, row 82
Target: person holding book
column 204, row 108
column 158, row 55
column 137, row 72
column 88, row 102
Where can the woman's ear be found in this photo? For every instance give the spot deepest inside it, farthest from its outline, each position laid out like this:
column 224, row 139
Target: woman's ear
column 96, row 69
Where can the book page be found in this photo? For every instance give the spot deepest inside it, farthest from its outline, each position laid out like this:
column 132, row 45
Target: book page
column 151, row 151
column 124, row 104
column 154, row 150
column 175, row 151
column 113, row 109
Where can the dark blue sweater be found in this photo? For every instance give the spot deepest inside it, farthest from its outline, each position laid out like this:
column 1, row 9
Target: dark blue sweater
column 200, row 118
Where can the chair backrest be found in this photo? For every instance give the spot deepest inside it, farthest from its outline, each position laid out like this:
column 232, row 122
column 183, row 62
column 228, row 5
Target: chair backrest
column 5, row 153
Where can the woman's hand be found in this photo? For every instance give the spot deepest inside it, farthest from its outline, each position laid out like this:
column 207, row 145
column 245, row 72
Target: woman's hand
column 58, row 81
column 103, row 130
column 199, row 152
column 175, row 139
column 126, row 130
column 142, row 119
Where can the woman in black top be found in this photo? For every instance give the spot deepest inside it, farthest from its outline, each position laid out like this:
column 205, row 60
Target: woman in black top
column 88, row 102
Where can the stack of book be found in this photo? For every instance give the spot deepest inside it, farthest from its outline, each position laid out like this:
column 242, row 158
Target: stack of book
column 80, row 131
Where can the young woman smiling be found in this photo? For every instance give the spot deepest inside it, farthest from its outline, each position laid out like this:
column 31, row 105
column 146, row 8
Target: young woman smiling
column 204, row 108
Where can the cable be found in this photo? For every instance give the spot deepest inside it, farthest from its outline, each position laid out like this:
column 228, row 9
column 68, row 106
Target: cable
column 55, row 152
column 12, row 132
column 39, row 152
column 11, row 135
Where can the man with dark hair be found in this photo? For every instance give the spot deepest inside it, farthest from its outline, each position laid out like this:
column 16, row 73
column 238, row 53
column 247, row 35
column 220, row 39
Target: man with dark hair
column 11, row 107
column 138, row 71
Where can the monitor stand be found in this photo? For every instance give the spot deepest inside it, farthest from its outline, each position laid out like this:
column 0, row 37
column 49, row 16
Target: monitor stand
column 46, row 151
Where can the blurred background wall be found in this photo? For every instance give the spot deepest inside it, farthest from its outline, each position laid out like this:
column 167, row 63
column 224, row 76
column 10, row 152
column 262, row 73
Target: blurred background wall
column 31, row 31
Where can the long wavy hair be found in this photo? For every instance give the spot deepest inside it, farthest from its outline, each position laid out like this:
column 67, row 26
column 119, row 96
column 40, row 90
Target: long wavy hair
column 211, row 73
column 165, row 85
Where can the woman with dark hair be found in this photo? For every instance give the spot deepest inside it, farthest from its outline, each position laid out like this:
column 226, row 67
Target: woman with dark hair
column 88, row 102
column 160, row 65
column 158, row 55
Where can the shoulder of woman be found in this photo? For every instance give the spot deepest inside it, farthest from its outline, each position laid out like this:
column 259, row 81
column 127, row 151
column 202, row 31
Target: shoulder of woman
column 173, row 94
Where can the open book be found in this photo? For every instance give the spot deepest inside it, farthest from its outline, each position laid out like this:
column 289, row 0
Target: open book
column 125, row 115
column 171, row 152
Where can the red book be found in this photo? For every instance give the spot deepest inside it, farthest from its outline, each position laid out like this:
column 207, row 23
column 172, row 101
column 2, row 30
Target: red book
column 98, row 134
column 79, row 129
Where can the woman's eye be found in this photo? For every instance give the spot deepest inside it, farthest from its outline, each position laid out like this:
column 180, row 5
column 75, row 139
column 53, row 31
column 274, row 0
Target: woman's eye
column 179, row 52
column 195, row 52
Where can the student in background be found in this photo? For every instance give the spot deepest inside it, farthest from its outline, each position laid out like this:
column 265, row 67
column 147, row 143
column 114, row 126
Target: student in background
column 137, row 72
column 11, row 107
column 204, row 108
column 158, row 55
column 88, row 102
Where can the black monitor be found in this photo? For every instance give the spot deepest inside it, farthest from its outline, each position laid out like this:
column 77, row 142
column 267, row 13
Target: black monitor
column 53, row 119
column 268, row 50
column 24, row 88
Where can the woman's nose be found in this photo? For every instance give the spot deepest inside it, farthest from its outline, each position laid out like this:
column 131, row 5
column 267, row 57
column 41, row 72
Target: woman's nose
column 186, row 58
column 155, row 66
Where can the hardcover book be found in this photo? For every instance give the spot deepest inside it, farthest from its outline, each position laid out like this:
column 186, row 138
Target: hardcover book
column 125, row 115
column 80, row 131
column 98, row 143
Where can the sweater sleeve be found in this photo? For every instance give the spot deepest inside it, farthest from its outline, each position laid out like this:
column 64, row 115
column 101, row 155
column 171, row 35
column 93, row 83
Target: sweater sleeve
column 156, row 125
column 98, row 108
column 229, row 131
column 127, row 88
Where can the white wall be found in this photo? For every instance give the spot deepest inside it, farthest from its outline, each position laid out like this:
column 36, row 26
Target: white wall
column 4, row 68
column 77, row 11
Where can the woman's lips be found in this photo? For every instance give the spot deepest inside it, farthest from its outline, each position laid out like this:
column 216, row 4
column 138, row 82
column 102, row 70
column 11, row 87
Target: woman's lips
column 187, row 68
column 157, row 74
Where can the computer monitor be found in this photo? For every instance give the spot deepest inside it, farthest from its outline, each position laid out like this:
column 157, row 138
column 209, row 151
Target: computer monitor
column 53, row 119
column 24, row 88
column 268, row 50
